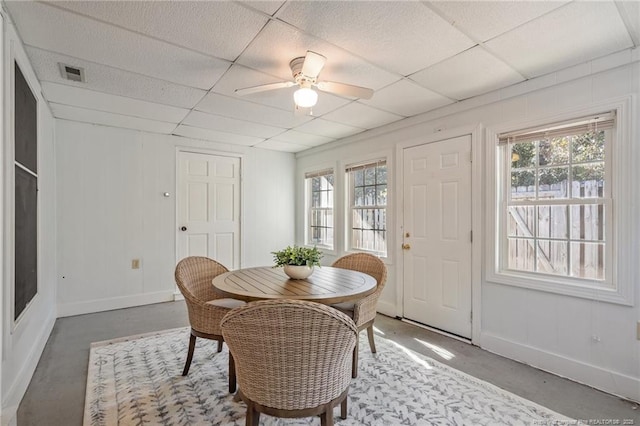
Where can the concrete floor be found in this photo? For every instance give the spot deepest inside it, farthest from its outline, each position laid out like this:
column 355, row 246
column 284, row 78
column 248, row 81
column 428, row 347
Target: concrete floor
column 56, row 393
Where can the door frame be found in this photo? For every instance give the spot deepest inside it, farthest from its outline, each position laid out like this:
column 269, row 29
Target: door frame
column 180, row 149
column 477, row 196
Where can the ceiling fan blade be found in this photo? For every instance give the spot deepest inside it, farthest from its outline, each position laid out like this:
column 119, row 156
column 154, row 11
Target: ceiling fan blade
column 313, row 63
column 264, row 87
column 345, row 89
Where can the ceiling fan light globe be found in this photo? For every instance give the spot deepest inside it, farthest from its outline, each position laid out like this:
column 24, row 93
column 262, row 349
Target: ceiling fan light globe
column 305, row 97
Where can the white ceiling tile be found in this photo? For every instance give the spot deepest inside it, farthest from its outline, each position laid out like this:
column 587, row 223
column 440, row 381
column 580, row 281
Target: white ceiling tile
column 54, row 29
column 277, row 145
column 328, row 129
column 266, row 6
column 420, row 37
column 239, row 77
column 109, row 119
column 83, row 98
column 630, row 13
column 300, row 138
column 279, row 43
column 215, row 136
column 359, row 115
column 406, row 98
column 575, row 33
column 106, row 79
column 203, row 26
column 484, row 20
column 228, row 106
column 468, row 74
column 230, row 125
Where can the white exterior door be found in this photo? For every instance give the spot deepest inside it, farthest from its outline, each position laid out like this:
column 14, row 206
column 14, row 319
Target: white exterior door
column 208, row 213
column 437, row 234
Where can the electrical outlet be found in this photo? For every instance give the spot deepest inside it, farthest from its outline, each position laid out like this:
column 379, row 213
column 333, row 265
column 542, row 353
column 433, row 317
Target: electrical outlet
column 135, row 264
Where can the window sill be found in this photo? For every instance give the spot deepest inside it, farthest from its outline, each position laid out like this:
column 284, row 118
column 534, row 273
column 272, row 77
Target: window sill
column 562, row 286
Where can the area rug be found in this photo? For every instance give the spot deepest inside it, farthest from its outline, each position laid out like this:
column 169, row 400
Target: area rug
column 137, row 381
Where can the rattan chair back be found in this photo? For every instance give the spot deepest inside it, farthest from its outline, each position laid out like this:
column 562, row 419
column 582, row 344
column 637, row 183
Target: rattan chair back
column 193, row 276
column 290, row 355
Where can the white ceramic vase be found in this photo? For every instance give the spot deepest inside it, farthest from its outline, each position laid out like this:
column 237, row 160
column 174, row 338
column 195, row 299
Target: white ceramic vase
column 298, row 272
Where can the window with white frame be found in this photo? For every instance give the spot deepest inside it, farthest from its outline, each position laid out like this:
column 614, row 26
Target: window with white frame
column 555, row 191
column 368, row 207
column 319, row 190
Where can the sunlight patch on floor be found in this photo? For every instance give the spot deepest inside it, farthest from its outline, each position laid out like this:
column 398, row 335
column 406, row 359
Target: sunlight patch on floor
column 377, row 330
column 414, row 357
column 438, row 350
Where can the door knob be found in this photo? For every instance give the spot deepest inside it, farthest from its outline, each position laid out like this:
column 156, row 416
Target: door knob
column 406, row 246
column 184, row 228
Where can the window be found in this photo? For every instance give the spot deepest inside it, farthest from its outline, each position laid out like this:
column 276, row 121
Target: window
column 368, row 201
column 556, row 196
column 319, row 189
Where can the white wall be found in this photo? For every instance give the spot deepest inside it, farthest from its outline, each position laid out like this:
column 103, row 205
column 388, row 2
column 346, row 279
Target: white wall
column 23, row 342
column 551, row 331
column 111, row 209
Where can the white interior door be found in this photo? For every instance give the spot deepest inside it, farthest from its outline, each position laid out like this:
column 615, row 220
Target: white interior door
column 437, row 234
column 208, row 213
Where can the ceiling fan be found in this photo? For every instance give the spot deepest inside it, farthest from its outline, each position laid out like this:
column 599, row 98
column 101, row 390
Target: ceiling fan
column 305, row 71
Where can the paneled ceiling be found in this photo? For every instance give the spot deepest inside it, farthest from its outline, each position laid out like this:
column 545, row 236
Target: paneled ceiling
column 172, row 67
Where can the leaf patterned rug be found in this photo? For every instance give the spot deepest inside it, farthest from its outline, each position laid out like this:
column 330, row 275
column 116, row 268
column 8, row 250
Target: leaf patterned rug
column 137, row 380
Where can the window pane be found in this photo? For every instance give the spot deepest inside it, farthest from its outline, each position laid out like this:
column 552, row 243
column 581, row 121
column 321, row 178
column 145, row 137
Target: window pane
column 588, row 181
column 523, row 185
column 329, row 179
column 357, row 219
column 552, row 257
column 315, row 199
column 356, row 237
column 521, row 221
column 368, row 239
column 588, row 147
column 523, row 155
column 381, row 219
column 370, row 176
column 381, row 195
column 358, row 178
column 552, row 222
column 358, row 197
column 315, row 184
column 587, row 222
column 521, row 256
column 587, row 260
column 381, row 174
column 553, row 152
column 370, row 195
column 381, row 241
column 553, row 183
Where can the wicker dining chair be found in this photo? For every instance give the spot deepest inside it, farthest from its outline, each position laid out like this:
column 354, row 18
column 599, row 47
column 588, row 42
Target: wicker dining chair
column 206, row 307
column 363, row 311
column 293, row 358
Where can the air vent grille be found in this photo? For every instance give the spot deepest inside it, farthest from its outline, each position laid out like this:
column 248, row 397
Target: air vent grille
column 72, row 73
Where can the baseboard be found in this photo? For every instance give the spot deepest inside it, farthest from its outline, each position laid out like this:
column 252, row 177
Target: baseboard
column 597, row 377
column 386, row 308
column 11, row 399
column 99, row 305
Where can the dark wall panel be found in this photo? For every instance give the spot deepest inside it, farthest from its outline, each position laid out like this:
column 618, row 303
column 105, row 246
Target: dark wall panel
column 26, row 194
column 26, row 248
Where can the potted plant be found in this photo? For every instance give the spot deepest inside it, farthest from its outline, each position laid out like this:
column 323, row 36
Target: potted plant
column 298, row 262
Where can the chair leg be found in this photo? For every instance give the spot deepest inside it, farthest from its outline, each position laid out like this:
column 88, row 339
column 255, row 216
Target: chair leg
column 372, row 343
column 192, row 346
column 220, row 346
column 326, row 418
column 343, row 408
column 232, row 374
column 354, row 364
column 253, row 416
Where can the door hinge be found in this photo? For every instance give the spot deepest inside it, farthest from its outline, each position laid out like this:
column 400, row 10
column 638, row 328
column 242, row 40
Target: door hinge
column 471, row 316
column 471, row 156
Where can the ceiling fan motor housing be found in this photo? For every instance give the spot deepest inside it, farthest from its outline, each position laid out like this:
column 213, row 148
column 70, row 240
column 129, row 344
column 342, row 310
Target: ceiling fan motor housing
column 298, row 76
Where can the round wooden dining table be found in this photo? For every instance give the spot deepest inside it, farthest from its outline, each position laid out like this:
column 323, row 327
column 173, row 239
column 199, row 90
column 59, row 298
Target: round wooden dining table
column 326, row 285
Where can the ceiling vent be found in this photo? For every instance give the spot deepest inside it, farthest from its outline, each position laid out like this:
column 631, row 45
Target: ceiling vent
column 72, row 73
